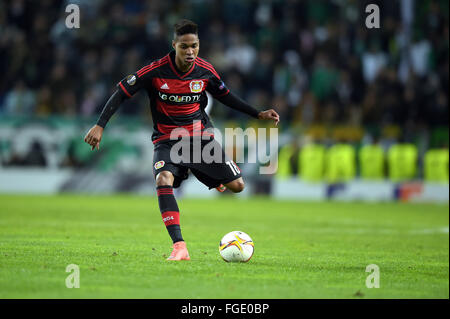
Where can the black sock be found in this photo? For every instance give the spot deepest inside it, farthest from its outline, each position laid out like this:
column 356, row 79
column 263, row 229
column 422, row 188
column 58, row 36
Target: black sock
column 169, row 212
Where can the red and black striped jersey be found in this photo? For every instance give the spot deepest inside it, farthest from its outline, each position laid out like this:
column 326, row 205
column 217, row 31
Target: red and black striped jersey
column 176, row 99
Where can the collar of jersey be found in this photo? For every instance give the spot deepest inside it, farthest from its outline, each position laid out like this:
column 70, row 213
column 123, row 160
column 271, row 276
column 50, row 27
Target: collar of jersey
column 173, row 66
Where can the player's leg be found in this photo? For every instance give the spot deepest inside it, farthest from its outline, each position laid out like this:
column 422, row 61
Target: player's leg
column 168, row 205
column 219, row 173
column 170, row 214
column 168, row 176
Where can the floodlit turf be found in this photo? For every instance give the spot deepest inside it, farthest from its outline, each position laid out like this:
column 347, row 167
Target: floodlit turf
column 302, row 249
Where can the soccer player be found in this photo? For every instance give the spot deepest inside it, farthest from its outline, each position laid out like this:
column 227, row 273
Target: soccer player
column 176, row 86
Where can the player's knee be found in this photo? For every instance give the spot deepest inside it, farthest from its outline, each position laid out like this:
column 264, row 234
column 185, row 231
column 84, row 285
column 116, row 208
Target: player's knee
column 238, row 186
column 164, row 178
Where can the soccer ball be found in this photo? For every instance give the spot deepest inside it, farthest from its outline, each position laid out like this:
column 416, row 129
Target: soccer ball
column 236, row 246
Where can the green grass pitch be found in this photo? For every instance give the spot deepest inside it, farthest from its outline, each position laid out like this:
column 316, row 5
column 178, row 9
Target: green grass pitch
column 302, row 249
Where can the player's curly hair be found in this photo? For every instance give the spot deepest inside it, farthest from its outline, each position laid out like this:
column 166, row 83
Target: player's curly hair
column 185, row 26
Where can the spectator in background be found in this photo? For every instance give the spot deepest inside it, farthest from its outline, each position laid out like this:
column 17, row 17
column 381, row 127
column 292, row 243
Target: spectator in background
column 263, row 70
column 372, row 62
column 90, row 103
column 240, row 54
column 290, row 79
column 324, row 77
column 20, row 100
column 66, row 103
column 44, row 103
column 306, row 113
column 419, row 53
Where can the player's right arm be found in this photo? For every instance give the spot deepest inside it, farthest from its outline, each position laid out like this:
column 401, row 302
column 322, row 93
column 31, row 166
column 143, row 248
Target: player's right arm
column 126, row 88
column 94, row 135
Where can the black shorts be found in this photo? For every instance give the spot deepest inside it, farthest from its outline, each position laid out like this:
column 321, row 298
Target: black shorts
column 212, row 169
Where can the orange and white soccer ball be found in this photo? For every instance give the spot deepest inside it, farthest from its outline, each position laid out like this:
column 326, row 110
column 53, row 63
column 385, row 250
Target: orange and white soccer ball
column 236, row 246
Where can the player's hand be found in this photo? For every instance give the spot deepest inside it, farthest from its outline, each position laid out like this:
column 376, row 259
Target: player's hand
column 269, row 115
column 94, row 136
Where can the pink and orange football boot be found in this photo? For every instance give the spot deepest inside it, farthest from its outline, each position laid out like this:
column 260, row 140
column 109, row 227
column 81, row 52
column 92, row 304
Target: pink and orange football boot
column 179, row 252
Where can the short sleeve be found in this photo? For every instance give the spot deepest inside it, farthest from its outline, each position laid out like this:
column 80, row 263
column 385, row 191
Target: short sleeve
column 216, row 86
column 132, row 83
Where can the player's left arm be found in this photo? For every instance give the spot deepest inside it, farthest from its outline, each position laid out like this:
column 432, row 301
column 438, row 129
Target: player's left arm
column 221, row 93
column 238, row 104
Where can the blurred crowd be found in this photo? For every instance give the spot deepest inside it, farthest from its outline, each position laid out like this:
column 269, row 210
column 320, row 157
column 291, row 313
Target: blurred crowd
column 314, row 61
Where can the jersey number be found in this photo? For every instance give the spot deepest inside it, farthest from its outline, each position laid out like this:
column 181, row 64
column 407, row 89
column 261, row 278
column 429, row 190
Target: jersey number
column 233, row 167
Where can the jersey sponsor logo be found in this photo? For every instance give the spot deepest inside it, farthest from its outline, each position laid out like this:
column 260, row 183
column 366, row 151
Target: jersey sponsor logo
column 131, row 79
column 165, row 87
column 196, row 86
column 159, row 164
column 180, row 98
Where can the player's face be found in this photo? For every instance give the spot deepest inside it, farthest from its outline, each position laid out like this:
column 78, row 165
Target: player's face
column 186, row 50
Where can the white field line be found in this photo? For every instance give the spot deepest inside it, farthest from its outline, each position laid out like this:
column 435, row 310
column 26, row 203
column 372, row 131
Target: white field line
column 438, row 230
column 359, row 230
